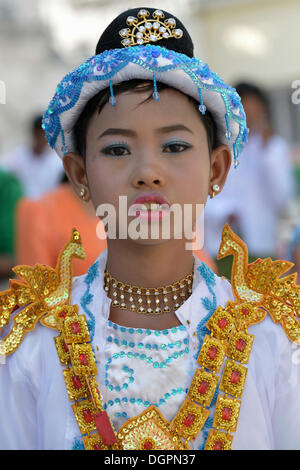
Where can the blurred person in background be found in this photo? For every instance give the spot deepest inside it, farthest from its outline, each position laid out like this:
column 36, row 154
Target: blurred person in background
column 293, row 251
column 35, row 164
column 10, row 193
column 255, row 196
column 44, row 225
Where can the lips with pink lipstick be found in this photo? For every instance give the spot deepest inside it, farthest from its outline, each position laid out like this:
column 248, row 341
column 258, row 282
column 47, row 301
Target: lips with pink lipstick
column 157, row 206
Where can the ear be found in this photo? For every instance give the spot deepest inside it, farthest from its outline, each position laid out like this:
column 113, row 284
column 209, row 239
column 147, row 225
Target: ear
column 75, row 168
column 220, row 166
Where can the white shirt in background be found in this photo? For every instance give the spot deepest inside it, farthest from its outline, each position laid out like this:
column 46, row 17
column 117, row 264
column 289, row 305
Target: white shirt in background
column 38, row 174
column 257, row 192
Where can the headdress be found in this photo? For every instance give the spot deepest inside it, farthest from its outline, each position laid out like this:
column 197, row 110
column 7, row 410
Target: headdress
column 144, row 43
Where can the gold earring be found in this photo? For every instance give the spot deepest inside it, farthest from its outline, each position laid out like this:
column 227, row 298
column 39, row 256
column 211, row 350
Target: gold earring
column 83, row 193
column 216, row 189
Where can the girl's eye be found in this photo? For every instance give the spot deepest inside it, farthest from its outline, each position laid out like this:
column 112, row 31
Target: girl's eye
column 176, row 147
column 116, row 150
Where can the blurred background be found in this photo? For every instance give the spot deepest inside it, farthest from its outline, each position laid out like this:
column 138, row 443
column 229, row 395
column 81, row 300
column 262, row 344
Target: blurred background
column 247, row 42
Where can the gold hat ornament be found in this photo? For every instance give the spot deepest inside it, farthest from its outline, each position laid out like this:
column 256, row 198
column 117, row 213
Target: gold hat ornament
column 143, row 30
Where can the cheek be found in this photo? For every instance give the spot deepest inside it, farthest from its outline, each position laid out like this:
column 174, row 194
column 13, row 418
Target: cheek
column 104, row 183
column 195, row 179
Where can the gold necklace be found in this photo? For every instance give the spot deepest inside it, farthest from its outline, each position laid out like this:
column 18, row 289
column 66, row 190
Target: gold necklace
column 145, row 300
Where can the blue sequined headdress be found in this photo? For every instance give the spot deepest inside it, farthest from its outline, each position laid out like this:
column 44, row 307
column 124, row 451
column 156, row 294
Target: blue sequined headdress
column 135, row 55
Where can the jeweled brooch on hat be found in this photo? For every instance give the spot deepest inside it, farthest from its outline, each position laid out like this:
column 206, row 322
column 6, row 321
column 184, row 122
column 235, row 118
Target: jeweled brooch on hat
column 143, row 29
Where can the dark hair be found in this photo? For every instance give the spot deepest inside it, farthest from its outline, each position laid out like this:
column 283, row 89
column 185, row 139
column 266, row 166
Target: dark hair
column 96, row 104
column 245, row 89
column 36, row 123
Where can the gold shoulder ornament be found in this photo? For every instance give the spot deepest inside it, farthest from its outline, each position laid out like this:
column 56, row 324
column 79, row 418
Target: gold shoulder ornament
column 260, row 287
column 42, row 292
column 224, row 354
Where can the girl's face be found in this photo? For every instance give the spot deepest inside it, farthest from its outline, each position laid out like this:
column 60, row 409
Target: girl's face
column 140, row 146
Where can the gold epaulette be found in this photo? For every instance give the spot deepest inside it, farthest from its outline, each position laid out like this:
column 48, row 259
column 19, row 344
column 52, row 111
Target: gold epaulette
column 259, row 288
column 42, row 292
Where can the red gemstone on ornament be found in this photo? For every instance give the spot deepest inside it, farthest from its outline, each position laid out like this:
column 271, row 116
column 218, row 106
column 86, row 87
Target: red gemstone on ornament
column 97, row 447
column 189, row 420
column 83, row 359
column 88, row 417
column 203, row 387
column 65, row 347
column 218, row 445
column 104, row 428
column 75, row 327
column 212, row 352
column 245, row 311
column 226, row 414
column 148, row 445
column 76, row 382
column 222, row 323
column 240, row 345
column 235, row 377
column 62, row 314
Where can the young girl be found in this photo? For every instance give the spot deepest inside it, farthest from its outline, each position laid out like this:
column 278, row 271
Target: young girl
column 151, row 350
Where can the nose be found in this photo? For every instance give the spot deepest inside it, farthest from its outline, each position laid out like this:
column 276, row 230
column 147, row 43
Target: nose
column 148, row 172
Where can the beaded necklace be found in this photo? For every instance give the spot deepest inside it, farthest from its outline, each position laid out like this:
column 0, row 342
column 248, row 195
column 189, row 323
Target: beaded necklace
column 146, row 301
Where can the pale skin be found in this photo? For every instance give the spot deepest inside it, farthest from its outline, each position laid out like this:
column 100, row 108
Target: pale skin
column 162, row 147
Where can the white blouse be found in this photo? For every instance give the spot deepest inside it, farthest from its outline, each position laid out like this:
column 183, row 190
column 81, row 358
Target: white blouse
column 138, row 367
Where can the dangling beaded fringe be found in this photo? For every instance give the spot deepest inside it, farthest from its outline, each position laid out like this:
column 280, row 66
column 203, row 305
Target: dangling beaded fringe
column 112, row 98
column 151, row 304
column 155, row 93
column 228, row 132
column 202, row 107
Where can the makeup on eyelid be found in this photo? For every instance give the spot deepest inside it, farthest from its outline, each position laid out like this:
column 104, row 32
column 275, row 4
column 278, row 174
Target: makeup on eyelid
column 123, row 145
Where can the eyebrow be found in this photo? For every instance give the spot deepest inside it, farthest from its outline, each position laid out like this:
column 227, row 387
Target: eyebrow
column 130, row 133
column 176, row 127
